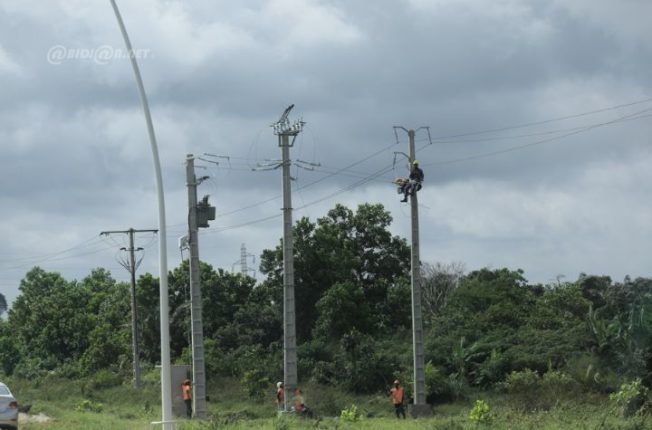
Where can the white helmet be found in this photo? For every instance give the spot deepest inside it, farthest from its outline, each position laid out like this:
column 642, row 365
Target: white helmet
column 279, row 384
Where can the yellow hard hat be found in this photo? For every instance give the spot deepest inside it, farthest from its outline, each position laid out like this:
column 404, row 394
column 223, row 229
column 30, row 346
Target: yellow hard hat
column 415, row 162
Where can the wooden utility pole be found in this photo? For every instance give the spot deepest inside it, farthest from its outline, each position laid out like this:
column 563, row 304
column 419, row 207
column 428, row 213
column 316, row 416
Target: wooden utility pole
column 131, row 268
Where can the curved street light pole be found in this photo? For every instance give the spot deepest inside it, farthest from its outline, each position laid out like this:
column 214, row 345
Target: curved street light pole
column 166, row 386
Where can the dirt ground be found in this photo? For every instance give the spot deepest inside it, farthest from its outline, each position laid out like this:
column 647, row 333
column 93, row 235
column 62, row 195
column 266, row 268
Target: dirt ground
column 38, row 418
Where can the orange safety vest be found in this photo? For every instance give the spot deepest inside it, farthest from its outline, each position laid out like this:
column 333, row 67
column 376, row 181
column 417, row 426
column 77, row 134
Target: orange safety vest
column 186, row 392
column 280, row 395
column 397, row 395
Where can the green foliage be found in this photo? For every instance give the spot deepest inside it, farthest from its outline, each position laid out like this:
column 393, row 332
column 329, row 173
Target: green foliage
column 231, row 408
column 255, row 383
column 282, row 423
column 350, row 414
column 9, row 354
column 104, row 378
column 364, row 364
column 341, row 309
column 67, row 327
column 471, row 336
column 341, row 247
column 529, row 392
column 620, row 321
column 3, row 304
column 47, row 320
column 481, row 413
column 89, row 406
column 630, row 398
column 442, row 387
column 221, row 420
column 353, row 322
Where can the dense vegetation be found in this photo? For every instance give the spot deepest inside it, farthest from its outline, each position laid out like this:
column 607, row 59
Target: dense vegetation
column 488, row 329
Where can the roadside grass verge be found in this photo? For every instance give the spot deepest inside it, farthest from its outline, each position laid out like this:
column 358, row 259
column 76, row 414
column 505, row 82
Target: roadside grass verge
column 76, row 405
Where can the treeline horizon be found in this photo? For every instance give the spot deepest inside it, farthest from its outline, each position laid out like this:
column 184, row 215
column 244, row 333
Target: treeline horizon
column 353, row 316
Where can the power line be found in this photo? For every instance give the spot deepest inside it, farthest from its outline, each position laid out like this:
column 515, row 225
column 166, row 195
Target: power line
column 365, row 177
column 51, row 254
column 630, row 117
column 32, row 261
column 547, row 121
column 376, row 175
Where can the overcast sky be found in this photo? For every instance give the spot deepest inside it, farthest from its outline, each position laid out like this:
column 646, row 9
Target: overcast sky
column 539, row 113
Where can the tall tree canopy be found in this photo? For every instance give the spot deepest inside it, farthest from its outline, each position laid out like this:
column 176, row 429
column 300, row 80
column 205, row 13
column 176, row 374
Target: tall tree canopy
column 354, row 249
column 3, row 304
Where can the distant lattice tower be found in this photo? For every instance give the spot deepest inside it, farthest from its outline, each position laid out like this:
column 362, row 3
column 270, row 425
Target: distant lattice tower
column 244, row 267
column 243, row 259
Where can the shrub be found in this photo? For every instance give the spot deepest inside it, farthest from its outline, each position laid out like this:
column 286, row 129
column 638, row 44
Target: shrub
column 593, row 374
column 255, row 383
column 364, row 364
column 104, row 379
column 630, row 398
column 89, row 406
column 481, row 413
column 491, row 370
column 529, row 391
column 557, row 385
column 350, row 414
column 441, row 387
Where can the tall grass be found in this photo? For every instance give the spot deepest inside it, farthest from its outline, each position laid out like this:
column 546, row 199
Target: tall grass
column 125, row 408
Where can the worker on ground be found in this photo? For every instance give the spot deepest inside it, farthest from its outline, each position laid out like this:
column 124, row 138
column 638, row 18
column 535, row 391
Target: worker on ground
column 414, row 184
column 299, row 404
column 280, row 396
column 397, row 399
column 186, row 391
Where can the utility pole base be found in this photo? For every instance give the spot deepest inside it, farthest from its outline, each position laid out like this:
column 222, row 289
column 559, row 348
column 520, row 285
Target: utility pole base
column 417, row 411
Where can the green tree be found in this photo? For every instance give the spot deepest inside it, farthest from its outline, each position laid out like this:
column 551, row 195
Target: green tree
column 472, row 334
column 9, row 353
column 342, row 246
column 342, row 308
column 49, row 318
column 3, row 304
column 234, row 314
column 109, row 343
column 620, row 323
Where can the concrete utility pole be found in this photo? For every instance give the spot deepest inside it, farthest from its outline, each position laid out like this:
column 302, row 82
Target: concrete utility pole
column 284, row 130
column 131, row 268
column 198, row 216
column 420, row 407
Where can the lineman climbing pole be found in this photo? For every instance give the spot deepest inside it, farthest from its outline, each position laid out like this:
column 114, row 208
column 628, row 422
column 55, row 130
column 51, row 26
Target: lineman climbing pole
column 419, row 408
column 198, row 216
column 283, row 129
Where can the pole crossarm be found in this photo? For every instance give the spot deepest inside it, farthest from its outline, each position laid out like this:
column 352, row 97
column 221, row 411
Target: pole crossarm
column 282, row 127
column 106, row 233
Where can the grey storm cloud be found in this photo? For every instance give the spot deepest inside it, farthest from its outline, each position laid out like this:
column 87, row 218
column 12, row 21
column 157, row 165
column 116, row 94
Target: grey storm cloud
column 537, row 161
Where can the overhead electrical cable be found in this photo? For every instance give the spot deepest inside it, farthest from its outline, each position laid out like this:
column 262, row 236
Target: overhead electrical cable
column 633, row 116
